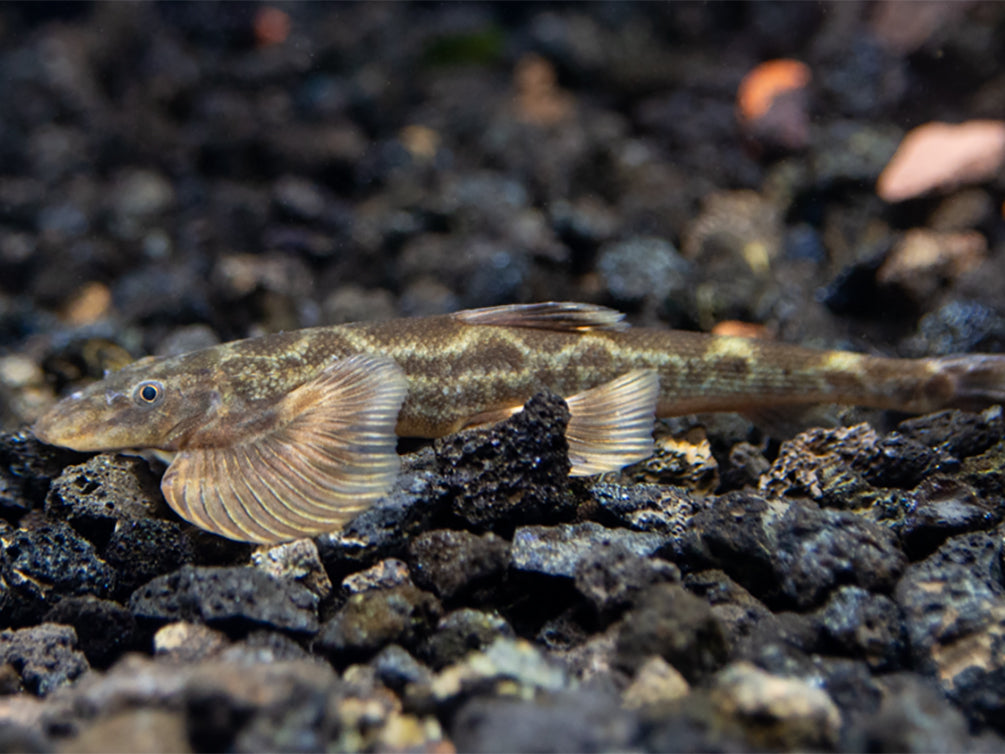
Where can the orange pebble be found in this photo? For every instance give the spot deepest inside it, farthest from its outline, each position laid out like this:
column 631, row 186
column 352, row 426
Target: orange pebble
column 736, row 328
column 763, row 85
column 271, row 26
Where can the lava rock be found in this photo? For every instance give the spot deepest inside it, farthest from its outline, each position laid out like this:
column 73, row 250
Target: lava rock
column 27, row 468
column 104, row 629
column 904, row 462
column 236, row 599
column 145, row 548
column 958, row 433
column 570, row 721
column 862, row 624
column 143, row 731
column 370, row 620
column 648, row 507
column 942, row 507
column 954, row 610
column 779, row 713
column 396, row 668
column 913, row 716
column 612, row 576
column 297, row 561
column 45, row 564
column 559, row 550
column 461, row 632
column 674, row 624
column 450, row 562
column 515, row 471
column 386, row 574
column 45, row 656
column 93, row 496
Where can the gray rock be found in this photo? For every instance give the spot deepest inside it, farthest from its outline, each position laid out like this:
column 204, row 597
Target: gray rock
column 46, row 563
column 570, row 721
column 142, row 549
column 642, row 268
column 559, row 550
column 514, row 471
column 857, row 622
column 396, row 668
column 45, row 656
column 371, row 620
column 677, row 626
column 954, row 610
column 104, row 629
column 93, row 496
column 449, row 562
column 612, row 575
column 460, row 632
column 242, row 598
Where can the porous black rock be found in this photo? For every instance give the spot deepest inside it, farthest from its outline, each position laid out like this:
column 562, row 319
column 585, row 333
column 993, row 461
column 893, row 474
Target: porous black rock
column 959, row 433
column 44, row 564
column 45, row 656
column 142, row 549
column 460, row 632
column 27, row 468
column 516, row 471
column 237, row 599
column 369, row 621
column 954, row 612
column 104, row 629
column 559, row 550
column 570, row 721
column 450, row 562
column 941, row 507
column 93, row 496
column 671, row 622
column 613, row 575
column 793, row 553
column 864, row 625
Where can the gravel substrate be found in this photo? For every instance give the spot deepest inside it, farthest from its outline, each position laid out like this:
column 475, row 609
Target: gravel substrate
column 174, row 175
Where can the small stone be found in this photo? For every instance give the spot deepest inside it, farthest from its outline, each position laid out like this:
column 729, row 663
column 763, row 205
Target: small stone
column 371, row 620
column 143, row 731
column 104, row 629
column 45, row 564
column 642, row 268
column 941, row 507
column 656, row 682
column 296, row 561
column 27, row 468
column 559, row 550
column 514, row 471
column 648, row 507
column 958, row 433
column 460, row 632
column 396, row 668
column 299, row 198
column 866, row 625
column 612, row 576
column 93, row 496
column 188, row 642
column 779, row 713
column 674, row 624
column 924, row 261
column 45, row 656
column 232, row 597
column 142, row 549
column 386, row 574
column 450, row 562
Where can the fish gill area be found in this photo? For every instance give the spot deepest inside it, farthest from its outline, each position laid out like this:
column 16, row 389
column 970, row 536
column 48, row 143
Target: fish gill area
column 175, row 175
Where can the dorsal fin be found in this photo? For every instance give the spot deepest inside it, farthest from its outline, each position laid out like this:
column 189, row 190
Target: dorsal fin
column 329, row 454
column 550, row 315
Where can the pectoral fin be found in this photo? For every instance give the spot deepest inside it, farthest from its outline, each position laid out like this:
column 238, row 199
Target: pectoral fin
column 611, row 426
column 330, row 452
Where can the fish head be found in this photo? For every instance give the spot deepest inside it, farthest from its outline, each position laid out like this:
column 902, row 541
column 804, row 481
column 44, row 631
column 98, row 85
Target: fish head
column 151, row 403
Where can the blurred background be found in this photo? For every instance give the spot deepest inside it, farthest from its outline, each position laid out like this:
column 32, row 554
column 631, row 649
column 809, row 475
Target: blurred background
column 176, row 174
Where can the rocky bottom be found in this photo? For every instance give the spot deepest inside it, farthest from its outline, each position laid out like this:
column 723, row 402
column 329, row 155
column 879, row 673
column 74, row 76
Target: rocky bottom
column 845, row 595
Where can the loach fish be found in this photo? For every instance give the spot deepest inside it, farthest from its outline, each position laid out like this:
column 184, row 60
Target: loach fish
column 292, row 434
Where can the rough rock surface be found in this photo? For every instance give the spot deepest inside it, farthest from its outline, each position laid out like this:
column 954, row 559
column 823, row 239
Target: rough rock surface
column 178, row 175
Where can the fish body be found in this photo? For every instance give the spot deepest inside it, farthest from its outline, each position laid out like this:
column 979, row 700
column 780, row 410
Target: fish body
column 293, row 433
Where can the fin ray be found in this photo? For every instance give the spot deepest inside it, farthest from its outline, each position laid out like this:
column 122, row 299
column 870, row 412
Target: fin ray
column 611, row 426
column 331, row 452
column 563, row 316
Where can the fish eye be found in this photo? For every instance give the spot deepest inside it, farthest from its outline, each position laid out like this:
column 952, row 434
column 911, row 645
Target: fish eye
column 148, row 393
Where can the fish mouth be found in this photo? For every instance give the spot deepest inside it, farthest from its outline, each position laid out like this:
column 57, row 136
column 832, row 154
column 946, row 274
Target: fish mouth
column 51, row 429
